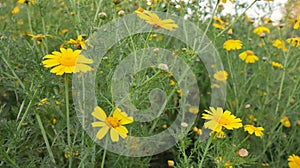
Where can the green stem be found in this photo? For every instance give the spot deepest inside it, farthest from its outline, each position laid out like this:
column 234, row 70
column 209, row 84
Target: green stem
column 244, row 140
column 45, row 137
column 68, row 120
column 184, row 154
column 104, row 153
column 206, row 149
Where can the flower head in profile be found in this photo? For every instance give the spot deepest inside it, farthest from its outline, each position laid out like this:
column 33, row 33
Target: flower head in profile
column 276, row 65
column 219, row 119
column 297, row 22
column 295, row 41
column 256, row 130
column 219, row 23
column 113, row 124
column 78, row 43
column 285, row 121
column 67, row 61
column 15, row 10
column 249, row 57
column 260, row 30
column 38, row 37
column 154, row 20
column 294, row 161
column 221, row 75
column 232, row 45
column 278, row 43
column 28, row 2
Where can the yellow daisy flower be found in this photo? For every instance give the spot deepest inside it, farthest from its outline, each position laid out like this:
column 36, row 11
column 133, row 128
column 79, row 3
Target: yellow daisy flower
column 249, row 57
column 285, row 121
column 294, row 161
column 256, row 130
column 78, row 43
column 67, row 61
column 221, row 75
column 261, row 29
column 219, row 119
column 276, row 65
column 114, row 123
column 38, row 37
column 15, row 10
column 232, row 45
column 219, row 26
column 295, row 41
column 28, row 2
column 154, row 20
column 278, row 43
column 297, row 22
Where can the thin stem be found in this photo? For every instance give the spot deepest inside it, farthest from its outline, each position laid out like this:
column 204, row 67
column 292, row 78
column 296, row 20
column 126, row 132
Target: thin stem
column 45, row 136
column 206, row 149
column 104, row 153
column 68, row 119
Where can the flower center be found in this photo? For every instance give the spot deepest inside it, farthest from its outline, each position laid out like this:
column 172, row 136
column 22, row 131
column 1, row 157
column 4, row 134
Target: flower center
column 113, row 122
column 223, row 121
column 249, row 53
column 68, row 60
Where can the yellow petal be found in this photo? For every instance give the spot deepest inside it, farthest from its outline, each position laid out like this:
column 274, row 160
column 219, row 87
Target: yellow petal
column 102, row 132
column 98, row 124
column 114, row 135
column 99, row 113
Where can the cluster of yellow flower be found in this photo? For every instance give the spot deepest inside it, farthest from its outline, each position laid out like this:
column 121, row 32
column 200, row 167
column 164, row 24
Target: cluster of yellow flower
column 219, row 119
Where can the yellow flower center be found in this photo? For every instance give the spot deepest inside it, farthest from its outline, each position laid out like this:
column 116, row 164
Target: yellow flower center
column 68, row 60
column 249, row 52
column 113, row 122
column 224, row 121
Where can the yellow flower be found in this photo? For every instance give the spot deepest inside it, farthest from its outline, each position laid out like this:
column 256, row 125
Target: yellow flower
column 194, row 110
column 297, row 22
column 224, row 1
column 294, row 161
column 232, row 45
column 15, row 10
column 28, row 2
column 63, row 31
column 277, row 65
column 219, row 26
column 179, row 92
column 20, row 22
column 67, row 61
column 249, row 57
column 171, row 163
column 172, row 83
column 295, row 41
column 251, row 118
column 219, row 20
column 285, row 121
column 261, row 29
column 114, row 123
column 43, row 101
column 154, row 20
column 78, row 43
column 38, row 37
column 256, row 130
column 219, row 135
column 278, row 43
column 219, row 119
column 248, row 19
column 221, row 75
